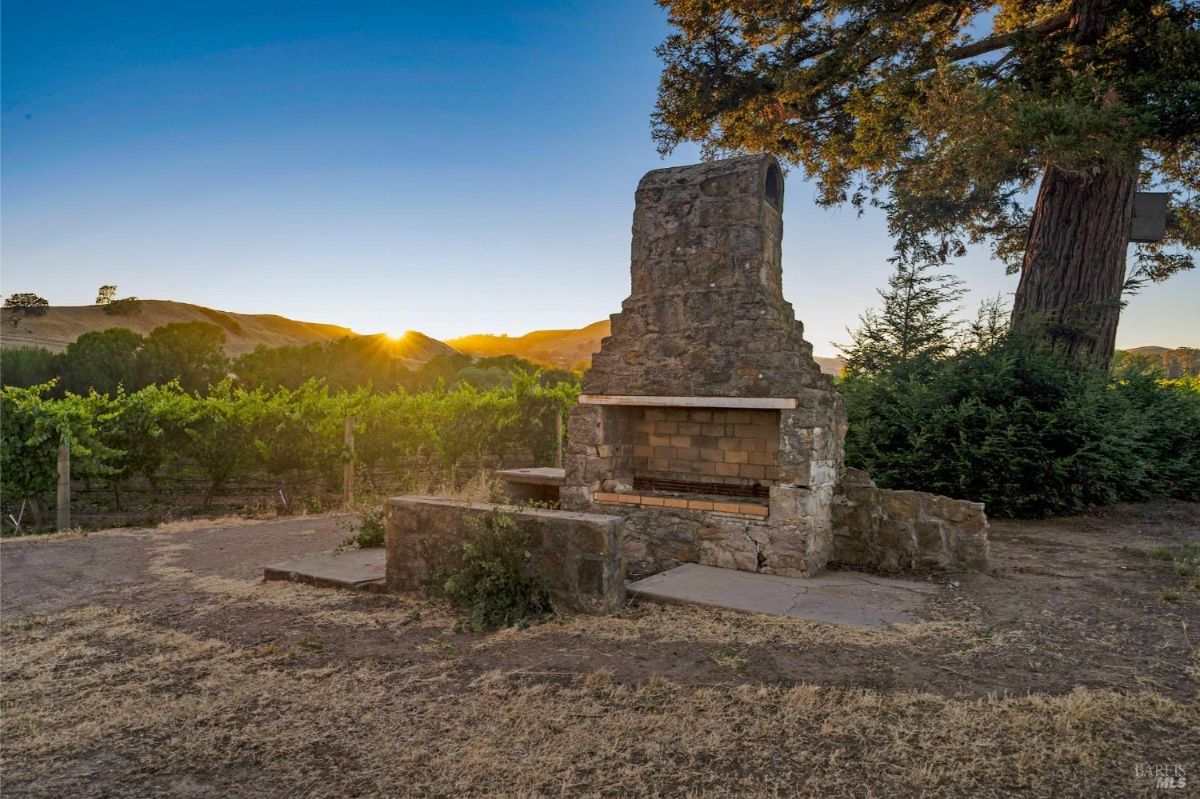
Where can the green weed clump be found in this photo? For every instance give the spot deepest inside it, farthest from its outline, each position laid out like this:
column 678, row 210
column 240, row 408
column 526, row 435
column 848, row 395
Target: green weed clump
column 369, row 527
column 495, row 580
column 1185, row 562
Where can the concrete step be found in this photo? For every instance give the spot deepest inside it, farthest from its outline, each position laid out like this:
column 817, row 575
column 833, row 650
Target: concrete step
column 357, row 569
column 844, row 598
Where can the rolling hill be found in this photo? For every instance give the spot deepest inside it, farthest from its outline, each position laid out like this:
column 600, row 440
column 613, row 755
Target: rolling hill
column 1175, row 362
column 561, row 348
column 565, row 349
column 62, row 324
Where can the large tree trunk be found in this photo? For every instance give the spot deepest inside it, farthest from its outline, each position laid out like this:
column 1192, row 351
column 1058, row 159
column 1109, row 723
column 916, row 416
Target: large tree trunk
column 1074, row 267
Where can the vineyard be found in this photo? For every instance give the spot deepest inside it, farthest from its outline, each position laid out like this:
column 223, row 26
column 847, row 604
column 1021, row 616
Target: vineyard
column 239, row 448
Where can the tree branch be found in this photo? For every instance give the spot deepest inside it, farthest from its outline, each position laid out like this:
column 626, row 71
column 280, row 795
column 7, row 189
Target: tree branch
column 1002, row 40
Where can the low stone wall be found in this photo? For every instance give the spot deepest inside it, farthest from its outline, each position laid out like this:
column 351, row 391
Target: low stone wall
column 578, row 554
column 891, row 530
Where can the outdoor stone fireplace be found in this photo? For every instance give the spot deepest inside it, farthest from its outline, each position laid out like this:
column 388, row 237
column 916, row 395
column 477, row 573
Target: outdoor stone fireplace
column 704, row 420
column 705, row 432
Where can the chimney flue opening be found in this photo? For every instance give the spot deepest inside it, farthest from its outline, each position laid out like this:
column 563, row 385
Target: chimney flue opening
column 773, row 190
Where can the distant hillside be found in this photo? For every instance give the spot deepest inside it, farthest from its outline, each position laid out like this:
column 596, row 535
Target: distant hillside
column 562, row 348
column 830, row 366
column 62, row 324
column 1175, row 362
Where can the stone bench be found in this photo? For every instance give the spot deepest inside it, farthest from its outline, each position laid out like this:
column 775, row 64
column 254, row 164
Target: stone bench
column 539, row 484
column 577, row 554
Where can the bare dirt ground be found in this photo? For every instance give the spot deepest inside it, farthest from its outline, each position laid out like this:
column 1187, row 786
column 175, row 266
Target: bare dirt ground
column 154, row 662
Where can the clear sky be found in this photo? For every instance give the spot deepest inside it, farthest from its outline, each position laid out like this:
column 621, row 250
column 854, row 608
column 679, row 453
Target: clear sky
column 448, row 168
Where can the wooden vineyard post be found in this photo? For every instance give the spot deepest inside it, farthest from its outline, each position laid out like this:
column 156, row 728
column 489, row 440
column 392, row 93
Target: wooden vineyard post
column 348, row 469
column 558, row 438
column 64, row 486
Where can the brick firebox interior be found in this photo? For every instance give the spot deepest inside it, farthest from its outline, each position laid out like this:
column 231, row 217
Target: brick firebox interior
column 728, row 452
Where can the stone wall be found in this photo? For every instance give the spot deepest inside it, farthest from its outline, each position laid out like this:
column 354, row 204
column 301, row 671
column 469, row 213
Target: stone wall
column 654, row 539
column 578, row 554
column 890, row 530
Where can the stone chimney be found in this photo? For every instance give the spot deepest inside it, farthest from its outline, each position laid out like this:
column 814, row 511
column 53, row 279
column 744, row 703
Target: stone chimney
column 706, row 316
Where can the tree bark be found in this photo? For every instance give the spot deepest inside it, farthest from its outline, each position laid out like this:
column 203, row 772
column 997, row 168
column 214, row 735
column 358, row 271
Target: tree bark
column 1074, row 267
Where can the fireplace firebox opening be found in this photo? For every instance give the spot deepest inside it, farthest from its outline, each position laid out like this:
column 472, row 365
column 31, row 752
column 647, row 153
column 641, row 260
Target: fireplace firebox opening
column 709, row 456
column 701, row 451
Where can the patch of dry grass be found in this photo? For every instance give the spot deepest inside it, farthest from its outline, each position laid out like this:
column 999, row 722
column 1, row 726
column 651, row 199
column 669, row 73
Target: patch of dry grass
column 157, row 706
column 680, row 624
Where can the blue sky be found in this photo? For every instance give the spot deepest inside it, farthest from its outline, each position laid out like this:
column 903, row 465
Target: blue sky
column 385, row 166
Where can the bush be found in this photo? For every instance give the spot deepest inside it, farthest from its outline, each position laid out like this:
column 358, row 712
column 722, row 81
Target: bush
column 1020, row 429
column 976, row 412
column 495, row 581
column 126, row 306
column 369, row 528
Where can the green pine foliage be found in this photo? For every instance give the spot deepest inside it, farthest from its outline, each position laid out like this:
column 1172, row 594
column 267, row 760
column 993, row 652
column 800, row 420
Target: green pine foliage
column 946, row 114
column 984, row 414
column 914, row 326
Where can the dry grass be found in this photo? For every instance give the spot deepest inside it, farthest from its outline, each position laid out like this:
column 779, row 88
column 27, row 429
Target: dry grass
column 63, row 324
column 483, row 486
column 680, row 624
column 200, row 680
column 161, row 709
column 165, row 528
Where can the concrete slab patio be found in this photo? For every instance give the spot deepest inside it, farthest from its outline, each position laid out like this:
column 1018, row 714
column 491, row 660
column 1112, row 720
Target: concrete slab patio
column 846, row 598
column 357, row 569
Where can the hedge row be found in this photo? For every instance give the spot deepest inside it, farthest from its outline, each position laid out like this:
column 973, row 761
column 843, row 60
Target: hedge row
column 287, row 436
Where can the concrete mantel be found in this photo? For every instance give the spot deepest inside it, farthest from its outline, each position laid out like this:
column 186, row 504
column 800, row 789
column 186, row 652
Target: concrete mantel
column 756, row 403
